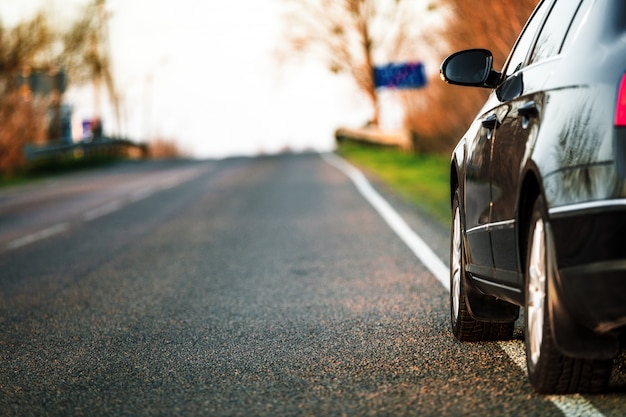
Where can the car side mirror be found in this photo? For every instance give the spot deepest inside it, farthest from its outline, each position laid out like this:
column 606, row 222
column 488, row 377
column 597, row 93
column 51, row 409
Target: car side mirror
column 472, row 67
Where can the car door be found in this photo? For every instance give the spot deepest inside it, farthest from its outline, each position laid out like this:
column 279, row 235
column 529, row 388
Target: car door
column 524, row 92
column 479, row 172
column 478, row 198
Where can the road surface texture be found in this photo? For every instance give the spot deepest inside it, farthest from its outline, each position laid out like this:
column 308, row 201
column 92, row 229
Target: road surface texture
column 242, row 287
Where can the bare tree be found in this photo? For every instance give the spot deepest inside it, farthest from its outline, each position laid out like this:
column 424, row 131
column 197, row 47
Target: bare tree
column 22, row 47
column 82, row 52
column 351, row 36
column 22, row 116
column 86, row 55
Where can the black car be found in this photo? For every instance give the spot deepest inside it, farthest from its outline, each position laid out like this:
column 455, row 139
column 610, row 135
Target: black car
column 538, row 192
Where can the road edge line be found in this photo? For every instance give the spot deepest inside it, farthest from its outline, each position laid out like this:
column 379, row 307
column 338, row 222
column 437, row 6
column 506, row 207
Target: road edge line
column 570, row 406
column 415, row 243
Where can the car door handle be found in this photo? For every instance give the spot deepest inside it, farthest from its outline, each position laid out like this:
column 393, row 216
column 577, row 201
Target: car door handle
column 529, row 109
column 491, row 122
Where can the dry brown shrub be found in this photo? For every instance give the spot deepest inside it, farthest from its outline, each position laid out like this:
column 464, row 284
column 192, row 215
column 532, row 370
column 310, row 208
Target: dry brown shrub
column 164, row 149
column 439, row 114
column 22, row 121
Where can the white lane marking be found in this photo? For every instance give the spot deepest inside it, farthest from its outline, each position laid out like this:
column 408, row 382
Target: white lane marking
column 515, row 350
column 575, row 406
column 571, row 405
column 107, row 208
column 397, row 223
column 142, row 193
column 103, row 210
column 39, row 235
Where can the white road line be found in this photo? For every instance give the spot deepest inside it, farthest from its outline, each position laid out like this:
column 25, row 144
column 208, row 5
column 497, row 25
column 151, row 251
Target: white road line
column 40, row 235
column 142, row 193
column 575, row 406
column 515, row 350
column 571, row 405
column 397, row 223
column 103, row 210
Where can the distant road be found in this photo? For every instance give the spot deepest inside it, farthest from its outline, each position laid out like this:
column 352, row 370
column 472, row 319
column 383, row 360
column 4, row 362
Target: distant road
column 33, row 212
column 263, row 286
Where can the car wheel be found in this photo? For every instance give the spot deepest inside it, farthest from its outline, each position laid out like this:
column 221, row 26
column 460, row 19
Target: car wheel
column 464, row 327
column 549, row 371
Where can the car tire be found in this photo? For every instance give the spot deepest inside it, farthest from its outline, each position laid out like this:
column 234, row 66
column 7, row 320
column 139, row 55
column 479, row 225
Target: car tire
column 465, row 327
column 549, row 371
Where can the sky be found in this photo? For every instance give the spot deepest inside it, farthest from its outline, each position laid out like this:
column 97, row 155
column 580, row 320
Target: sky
column 204, row 74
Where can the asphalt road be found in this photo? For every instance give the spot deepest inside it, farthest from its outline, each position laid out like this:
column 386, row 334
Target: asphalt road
column 243, row 287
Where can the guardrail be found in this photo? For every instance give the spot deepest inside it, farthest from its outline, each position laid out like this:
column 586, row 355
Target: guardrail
column 103, row 147
column 374, row 136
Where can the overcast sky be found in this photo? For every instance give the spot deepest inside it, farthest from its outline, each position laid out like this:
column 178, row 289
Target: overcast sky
column 202, row 72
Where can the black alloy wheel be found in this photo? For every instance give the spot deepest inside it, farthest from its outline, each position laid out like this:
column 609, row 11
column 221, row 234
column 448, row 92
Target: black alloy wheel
column 549, row 371
column 464, row 327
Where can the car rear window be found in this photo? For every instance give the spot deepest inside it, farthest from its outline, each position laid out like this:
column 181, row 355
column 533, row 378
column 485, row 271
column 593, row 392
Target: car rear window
column 620, row 16
column 552, row 35
column 524, row 42
column 612, row 17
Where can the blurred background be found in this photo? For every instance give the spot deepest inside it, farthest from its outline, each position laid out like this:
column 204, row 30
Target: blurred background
column 212, row 79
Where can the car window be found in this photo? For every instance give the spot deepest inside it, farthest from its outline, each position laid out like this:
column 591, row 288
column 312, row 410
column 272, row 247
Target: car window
column 620, row 17
column 583, row 8
column 554, row 30
column 520, row 52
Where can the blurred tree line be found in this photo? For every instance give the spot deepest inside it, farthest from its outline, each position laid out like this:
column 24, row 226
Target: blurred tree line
column 80, row 53
column 352, row 36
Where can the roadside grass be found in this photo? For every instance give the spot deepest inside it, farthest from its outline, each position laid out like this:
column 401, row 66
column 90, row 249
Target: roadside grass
column 422, row 179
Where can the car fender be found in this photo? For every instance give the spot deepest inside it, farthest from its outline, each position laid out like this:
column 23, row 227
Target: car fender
column 571, row 338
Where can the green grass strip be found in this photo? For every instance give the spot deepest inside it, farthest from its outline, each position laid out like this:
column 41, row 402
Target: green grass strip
column 421, row 179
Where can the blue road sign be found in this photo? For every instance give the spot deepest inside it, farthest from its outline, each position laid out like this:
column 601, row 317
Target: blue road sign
column 405, row 75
